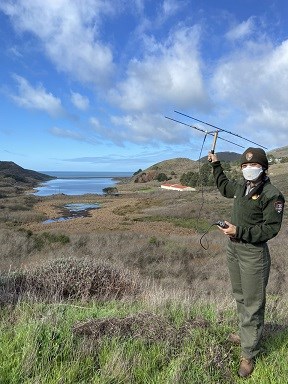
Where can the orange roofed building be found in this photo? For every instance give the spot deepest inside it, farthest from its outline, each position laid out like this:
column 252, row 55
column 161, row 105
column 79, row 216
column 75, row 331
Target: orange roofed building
column 177, row 187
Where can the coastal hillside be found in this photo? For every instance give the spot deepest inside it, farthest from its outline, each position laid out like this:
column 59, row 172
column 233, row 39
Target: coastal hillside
column 279, row 152
column 225, row 156
column 14, row 178
column 181, row 165
column 172, row 168
column 175, row 168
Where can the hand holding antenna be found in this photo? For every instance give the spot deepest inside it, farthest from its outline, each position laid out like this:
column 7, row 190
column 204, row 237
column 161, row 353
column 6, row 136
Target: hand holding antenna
column 213, row 146
column 212, row 157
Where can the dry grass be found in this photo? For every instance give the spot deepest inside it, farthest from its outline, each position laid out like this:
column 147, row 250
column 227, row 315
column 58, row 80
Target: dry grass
column 136, row 231
column 157, row 269
column 68, row 279
column 148, row 327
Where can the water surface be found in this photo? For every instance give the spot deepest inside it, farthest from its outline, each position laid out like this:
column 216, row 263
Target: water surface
column 78, row 183
column 72, row 211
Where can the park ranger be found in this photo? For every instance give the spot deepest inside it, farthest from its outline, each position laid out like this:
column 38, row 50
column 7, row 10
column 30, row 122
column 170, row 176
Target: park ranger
column 256, row 218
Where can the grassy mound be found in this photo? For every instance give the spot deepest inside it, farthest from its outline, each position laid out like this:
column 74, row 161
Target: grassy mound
column 144, row 326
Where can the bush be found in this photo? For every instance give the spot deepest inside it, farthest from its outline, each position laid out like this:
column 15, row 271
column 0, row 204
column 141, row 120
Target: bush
column 110, row 190
column 68, row 279
column 162, row 177
column 40, row 240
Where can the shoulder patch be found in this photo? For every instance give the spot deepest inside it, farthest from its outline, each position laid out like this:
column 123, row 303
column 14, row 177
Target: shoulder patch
column 279, row 206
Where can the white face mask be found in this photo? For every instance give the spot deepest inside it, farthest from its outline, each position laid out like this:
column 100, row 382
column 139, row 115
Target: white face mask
column 251, row 173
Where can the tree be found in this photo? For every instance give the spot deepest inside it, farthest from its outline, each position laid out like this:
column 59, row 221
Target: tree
column 271, row 159
column 162, row 177
column 203, row 177
column 136, row 173
column 226, row 165
column 204, row 174
column 110, row 190
column 190, row 179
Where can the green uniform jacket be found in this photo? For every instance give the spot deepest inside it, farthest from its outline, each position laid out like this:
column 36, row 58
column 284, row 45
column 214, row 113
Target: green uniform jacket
column 257, row 219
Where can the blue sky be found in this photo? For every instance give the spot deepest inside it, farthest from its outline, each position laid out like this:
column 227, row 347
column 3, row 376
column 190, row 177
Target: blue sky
column 86, row 84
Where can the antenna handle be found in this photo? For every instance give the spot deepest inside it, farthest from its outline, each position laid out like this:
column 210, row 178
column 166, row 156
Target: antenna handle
column 214, row 143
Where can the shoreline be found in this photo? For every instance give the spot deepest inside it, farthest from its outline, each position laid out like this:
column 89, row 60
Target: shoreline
column 77, row 186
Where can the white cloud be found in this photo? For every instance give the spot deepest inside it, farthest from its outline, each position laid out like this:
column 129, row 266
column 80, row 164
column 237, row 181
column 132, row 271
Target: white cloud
column 141, row 128
column 81, row 102
column 14, row 51
column 95, row 122
column 68, row 31
column 255, row 82
column 66, row 133
column 169, row 74
column 241, row 30
column 36, row 98
column 142, row 157
column 170, row 69
column 170, row 6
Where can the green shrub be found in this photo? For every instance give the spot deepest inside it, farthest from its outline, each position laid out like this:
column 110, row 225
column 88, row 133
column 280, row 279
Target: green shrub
column 162, row 177
column 110, row 190
column 46, row 238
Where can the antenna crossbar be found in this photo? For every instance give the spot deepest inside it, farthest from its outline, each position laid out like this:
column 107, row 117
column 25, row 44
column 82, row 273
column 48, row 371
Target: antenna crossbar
column 202, row 130
column 220, row 129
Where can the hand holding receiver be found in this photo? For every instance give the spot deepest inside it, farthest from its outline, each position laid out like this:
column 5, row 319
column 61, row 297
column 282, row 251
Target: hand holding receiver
column 227, row 228
column 221, row 224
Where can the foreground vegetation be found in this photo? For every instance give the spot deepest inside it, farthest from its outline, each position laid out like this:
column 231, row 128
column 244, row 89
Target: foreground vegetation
column 117, row 335
column 123, row 306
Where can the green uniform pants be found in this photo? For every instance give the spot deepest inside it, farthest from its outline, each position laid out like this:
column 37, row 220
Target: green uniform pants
column 249, row 267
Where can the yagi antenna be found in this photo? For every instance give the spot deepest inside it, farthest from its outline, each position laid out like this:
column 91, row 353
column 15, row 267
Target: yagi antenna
column 220, row 129
column 212, row 133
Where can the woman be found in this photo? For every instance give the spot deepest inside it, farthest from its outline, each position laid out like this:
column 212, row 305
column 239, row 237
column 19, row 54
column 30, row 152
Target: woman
column 256, row 218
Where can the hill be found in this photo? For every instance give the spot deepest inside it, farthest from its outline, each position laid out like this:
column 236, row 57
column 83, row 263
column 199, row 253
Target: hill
column 225, row 156
column 177, row 165
column 173, row 168
column 279, row 152
column 14, row 178
column 180, row 165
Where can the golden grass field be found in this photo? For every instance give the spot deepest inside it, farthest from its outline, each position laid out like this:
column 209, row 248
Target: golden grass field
column 146, row 229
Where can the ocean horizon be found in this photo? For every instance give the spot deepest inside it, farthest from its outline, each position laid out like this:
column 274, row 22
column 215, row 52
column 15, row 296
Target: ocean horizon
column 78, row 182
column 86, row 174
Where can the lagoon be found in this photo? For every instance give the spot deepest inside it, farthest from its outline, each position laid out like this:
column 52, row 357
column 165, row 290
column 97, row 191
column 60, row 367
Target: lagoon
column 78, row 183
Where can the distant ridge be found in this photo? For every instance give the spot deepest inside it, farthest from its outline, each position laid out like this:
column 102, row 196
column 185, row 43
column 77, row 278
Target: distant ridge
column 279, row 152
column 225, row 156
column 13, row 174
column 178, row 164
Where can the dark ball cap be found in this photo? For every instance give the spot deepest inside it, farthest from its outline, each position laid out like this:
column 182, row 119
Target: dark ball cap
column 254, row 155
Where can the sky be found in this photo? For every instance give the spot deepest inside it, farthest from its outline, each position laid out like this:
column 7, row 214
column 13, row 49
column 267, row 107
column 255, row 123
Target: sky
column 92, row 85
